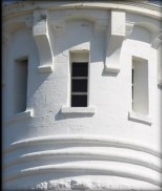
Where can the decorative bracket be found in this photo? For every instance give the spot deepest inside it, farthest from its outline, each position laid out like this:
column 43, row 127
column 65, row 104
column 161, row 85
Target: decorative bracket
column 43, row 37
column 115, row 35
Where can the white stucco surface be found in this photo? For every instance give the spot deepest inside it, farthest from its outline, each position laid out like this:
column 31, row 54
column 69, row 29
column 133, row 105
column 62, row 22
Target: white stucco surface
column 106, row 145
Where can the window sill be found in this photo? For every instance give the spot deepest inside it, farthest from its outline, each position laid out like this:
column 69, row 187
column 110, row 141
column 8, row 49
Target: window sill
column 140, row 117
column 79, row 110
column 21, row 116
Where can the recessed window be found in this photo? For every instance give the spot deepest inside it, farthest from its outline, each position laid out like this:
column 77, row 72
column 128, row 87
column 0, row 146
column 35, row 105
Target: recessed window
column 79, row 81
column 20, row 84
column 140, row 86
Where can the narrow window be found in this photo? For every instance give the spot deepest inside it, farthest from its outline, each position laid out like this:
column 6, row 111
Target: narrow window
column 140, row 86
column 20, row 84
column 79, row 81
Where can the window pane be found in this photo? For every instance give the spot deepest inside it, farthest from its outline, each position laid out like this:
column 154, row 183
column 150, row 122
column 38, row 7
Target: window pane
column 80, row 69
column 20, row 86
column 79, row 85
column 79, row 101
column 140, row 86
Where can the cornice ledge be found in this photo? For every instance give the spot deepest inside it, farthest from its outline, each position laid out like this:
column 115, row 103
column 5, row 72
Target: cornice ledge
column 142, row 8
column 43, row 38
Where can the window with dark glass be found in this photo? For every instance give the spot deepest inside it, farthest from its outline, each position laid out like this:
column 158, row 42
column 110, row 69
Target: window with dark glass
column 79, row 84
column 20, row 84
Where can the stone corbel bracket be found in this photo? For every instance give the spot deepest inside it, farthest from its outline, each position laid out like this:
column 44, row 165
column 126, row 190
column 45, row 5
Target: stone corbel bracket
column 43, row 37
column 116, row 32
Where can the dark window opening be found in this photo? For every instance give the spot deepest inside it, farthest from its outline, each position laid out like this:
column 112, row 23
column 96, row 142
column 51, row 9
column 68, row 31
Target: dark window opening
column 79, row 83
column 79, row 101
column 20, row 85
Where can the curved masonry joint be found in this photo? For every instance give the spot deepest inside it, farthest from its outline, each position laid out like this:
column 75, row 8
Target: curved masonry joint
column 43, row 38
column 116, row 32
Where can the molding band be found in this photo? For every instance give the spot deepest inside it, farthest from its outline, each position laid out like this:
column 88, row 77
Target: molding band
column 115, row 154
column 89, row 139
column 112, row 169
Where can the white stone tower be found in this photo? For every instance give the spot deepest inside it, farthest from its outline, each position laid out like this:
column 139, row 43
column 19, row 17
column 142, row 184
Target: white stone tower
column 82, row 95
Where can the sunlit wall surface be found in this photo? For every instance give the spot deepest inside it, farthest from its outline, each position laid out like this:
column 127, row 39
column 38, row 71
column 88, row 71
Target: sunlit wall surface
column 82, row 92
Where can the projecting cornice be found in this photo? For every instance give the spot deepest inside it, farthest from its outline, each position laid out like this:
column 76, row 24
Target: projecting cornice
column 138, row 7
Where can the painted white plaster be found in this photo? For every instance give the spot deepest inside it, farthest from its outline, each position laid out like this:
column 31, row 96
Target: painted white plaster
column 52, row 146
column 43, row 38
column 115, row 36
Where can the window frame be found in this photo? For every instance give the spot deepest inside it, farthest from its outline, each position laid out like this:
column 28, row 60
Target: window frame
column 134, row 115
column 76, row 57
column 67, row 109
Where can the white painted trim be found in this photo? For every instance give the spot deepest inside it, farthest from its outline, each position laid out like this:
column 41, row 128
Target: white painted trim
column 114, row 40
column 80, row 110
column 85, row 139
column 140, row 117
column 27, row 114
column 46, row 68
column 142, row 8
column 102, row 154
column 110, row 168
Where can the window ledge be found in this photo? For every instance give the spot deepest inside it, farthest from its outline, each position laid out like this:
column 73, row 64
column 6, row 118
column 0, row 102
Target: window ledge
column 140, row 117
column 80, row 110
column 45, row 68
column 21, row 116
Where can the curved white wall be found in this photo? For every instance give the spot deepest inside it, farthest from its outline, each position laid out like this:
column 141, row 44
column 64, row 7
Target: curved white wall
column 106, row 145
